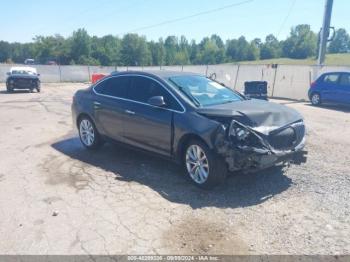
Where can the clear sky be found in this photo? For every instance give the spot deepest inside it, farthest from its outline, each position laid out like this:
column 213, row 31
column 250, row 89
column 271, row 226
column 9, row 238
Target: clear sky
column 21, row 20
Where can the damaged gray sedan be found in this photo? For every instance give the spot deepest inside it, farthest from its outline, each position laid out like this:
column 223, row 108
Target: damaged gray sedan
column 207, row 127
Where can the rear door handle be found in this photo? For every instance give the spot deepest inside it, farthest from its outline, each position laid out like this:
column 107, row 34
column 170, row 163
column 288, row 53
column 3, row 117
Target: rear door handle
column 129, row 112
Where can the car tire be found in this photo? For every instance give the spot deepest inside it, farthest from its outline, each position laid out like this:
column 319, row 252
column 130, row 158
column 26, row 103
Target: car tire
column 316, row 99
column 38, row 86
column 89, row 136
column 205, row 168
column 9, row 90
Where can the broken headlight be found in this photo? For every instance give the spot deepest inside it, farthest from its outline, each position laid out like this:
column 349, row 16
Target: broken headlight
column 238, row 131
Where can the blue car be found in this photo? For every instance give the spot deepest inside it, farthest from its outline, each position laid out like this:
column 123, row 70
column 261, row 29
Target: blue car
column 331, row 87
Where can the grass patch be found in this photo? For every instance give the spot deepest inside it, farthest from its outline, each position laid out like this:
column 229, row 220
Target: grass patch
column 331, row 59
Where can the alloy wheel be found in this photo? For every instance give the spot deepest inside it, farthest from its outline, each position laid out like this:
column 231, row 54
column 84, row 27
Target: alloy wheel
column 87, row 132
column 315, row 99
column 197, row 164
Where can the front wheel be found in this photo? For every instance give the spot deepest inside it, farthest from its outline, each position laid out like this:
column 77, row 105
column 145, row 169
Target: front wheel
column 88, row 134
column 204, row 167
column 315, row 99
column 38, row 87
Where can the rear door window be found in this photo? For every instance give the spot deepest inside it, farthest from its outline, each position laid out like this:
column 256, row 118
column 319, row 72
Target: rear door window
column 345, row 80
column 114, row 86
column 331, row 79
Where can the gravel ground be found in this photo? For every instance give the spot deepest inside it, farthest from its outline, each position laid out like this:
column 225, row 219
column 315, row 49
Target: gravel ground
column 57, row 198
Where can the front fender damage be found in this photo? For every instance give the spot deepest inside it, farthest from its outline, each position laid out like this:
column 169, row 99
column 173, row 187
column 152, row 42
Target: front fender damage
column 254, row 152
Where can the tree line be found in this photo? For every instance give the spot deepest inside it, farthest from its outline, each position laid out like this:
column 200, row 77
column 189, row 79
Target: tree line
column 135, row 50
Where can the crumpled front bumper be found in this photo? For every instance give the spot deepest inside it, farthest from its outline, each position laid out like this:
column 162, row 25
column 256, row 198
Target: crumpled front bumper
column 260, row 159
column 251, row 158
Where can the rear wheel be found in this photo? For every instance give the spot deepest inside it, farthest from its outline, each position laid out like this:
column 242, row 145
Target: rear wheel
column 88, row 134
column 204, row 167
column 315, row 99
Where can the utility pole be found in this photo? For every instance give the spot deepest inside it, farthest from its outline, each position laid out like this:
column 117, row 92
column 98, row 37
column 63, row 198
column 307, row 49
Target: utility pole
column 325, row 32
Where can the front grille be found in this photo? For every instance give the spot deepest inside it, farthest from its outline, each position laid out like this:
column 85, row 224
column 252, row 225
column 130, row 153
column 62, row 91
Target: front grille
column 23, row 82
column 288, row 138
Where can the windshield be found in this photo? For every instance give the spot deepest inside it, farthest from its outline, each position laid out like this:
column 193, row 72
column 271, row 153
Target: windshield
column 203, row 91
column 22, row 72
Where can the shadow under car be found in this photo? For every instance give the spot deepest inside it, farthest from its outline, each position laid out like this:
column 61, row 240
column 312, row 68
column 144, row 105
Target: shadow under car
column 168, row 179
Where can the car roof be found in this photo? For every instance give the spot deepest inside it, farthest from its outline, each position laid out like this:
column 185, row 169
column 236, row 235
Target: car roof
column 17, row 68
column 337, row 72
column 159, row 73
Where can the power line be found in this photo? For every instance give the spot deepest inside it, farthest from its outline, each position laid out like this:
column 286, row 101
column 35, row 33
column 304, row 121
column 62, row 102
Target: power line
column 190, row 16
column 286, row 18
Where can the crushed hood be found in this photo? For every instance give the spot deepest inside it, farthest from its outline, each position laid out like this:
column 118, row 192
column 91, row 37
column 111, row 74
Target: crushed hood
column 260, row 115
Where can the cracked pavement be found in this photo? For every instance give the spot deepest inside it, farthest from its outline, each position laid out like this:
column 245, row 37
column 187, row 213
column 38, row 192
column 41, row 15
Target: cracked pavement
column 58, row 198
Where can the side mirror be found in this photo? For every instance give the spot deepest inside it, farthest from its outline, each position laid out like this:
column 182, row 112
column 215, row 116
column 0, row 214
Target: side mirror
column 157, row 101
column 8, row 73
column 38, row 74
column 212, row 76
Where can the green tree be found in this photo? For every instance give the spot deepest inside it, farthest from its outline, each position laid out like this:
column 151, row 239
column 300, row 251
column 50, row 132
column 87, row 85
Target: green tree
column 171, row 47
column 253, row 52
column 301, row 43
column 182, row 56
column 20, row 52
column 211, row 50
column 5, row 51
column 232, row 50
column 51, row 48
column 80, row 46
column 135, row 51
column 194, row 52
column 243, row 47
column 220, row 52
column 157, row 52
column 271, row 48
column 84, row 60
column 340, row 43
column 183, row 44
column 208, row 50
column 106, row 50
column 257, row 42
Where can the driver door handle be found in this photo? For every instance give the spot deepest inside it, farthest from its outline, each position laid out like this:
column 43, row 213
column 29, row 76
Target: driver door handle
column 130, row 112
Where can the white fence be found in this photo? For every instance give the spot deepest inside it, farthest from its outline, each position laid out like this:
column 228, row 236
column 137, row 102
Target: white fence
column 284, row 81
